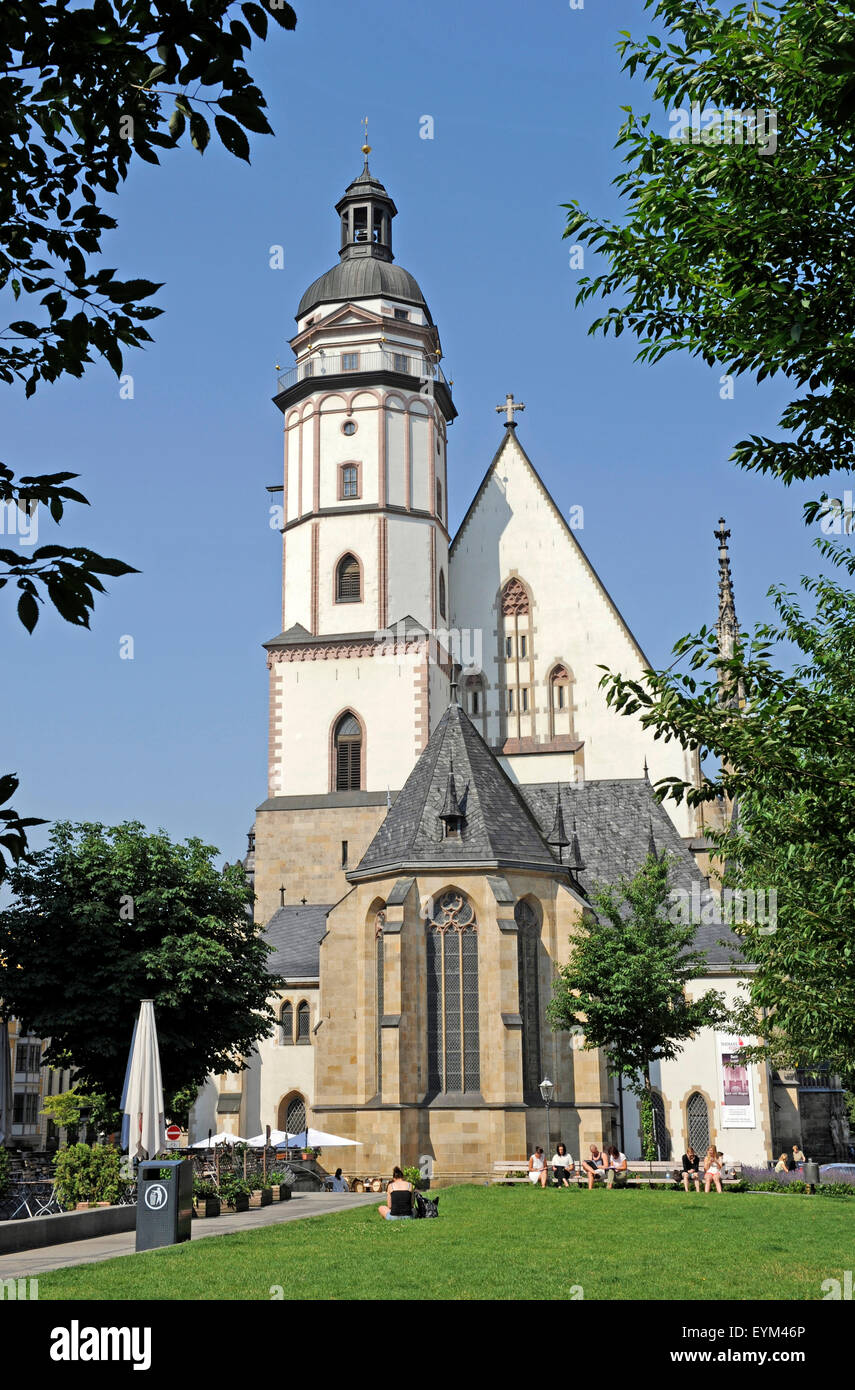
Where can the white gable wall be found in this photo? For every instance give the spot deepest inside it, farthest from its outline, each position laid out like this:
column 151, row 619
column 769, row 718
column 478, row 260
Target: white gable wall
column 514, row 530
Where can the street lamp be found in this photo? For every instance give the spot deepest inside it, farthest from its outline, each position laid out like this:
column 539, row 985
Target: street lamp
column 546, row 1090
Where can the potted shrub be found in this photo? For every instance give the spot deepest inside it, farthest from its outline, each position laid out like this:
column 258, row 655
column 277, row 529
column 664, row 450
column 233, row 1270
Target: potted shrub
column 281, row 1184
column 206, row 1199
column 234, row 1192
column 87, row 1176
column 261, row 1196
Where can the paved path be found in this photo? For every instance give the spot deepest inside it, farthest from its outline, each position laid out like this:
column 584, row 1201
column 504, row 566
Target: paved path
column 79, row 1252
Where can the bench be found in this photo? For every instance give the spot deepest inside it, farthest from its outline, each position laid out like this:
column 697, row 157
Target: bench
column 638, row 1172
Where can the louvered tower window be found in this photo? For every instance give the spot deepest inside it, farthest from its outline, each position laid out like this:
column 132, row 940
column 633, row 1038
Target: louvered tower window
column 528, row 942
column 286, row 1019
column 348, row 581
column 452, row 985
column 698, row 1116
column 348, row 754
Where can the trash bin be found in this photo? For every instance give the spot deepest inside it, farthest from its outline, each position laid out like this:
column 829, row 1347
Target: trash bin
column 164, row 1202
column 811, row 1173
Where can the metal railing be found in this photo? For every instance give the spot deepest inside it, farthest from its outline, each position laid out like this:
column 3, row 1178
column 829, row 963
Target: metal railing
column 355, row 363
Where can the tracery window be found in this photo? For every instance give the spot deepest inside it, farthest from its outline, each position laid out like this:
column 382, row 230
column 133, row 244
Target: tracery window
column 560, row 700
column 698, row 1117
column 379, row 965
column 528, row 943
column 454, row 1062
column 518, row 671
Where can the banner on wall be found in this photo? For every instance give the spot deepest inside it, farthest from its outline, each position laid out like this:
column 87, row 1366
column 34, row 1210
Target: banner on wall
column 736, row 1091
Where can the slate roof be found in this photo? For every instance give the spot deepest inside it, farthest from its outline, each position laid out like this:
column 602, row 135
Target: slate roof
column 499, row 830
column 613, row 822
column 295, row 934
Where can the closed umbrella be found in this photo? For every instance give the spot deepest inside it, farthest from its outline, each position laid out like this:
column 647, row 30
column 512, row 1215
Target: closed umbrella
column 144, row 1098
column 5, row 1084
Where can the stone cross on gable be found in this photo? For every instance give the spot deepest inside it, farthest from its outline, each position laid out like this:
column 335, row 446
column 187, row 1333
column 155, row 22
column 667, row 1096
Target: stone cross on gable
column 508, row 409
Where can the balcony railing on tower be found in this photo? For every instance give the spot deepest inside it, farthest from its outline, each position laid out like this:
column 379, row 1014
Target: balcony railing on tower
column 355, row 363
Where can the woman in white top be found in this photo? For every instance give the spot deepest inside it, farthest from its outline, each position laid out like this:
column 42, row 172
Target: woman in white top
column 712, row 1169
column 617, row 1164
column 537, row 1168
column 562, row 1166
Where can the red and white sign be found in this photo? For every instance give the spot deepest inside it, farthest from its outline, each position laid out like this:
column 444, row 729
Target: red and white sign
column 173, row 1132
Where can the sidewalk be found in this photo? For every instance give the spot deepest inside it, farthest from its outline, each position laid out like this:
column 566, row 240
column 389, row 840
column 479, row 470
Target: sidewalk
column 80, row 1252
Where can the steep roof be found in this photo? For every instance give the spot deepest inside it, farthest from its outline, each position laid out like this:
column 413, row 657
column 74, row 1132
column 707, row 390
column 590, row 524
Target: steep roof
column 295, row 934
column 499, row 827
column 613, row 819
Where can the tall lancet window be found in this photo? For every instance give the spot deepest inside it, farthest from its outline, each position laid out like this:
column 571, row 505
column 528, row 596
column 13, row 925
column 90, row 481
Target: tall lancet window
column 527, row 919
column 454, row 1058
column 517, row 660
column 348, row 580
column 379, row 923
column 347, row 754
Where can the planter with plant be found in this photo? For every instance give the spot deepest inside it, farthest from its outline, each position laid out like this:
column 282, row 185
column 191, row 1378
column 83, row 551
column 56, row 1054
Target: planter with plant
column 88, row 1175
column 281, row 1184
column 206, row 1198
column 235, row 1192
column 262, row 1194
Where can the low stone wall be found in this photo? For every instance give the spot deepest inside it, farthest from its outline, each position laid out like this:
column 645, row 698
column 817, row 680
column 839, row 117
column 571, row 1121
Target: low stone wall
column 36, row 1231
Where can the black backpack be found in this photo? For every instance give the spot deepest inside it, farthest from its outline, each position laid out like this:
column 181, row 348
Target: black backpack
column 425, row 1207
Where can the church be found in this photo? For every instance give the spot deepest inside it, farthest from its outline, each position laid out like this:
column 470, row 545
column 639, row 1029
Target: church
column 446, row 781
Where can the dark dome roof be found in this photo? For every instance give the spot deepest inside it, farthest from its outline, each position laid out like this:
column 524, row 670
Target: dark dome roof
column 364, row 277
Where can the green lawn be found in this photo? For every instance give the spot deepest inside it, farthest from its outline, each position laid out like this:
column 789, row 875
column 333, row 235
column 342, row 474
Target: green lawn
column 506, row 1243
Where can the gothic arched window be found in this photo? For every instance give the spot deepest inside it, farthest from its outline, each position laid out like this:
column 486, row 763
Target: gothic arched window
column 698, row 1122
column 379, row 962
column 517, row 668
column 528, row 942
column 454, row 1059
column 348, row 754
column 348, row 580
column 303, row 1022
column 560, row 700
column 286, row 1020
column 442, row 593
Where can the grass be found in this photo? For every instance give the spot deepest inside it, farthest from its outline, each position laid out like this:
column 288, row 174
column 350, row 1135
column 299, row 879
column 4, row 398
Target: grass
column 505, row 1243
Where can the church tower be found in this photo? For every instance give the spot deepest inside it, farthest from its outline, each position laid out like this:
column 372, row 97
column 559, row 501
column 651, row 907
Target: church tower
column 356, row 684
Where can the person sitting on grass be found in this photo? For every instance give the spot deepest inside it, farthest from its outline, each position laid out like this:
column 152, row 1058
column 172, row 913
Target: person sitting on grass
column 400, row 1195
column 593, row 1166
column 691, row 1167
column 712, row 1169
column 537, row 1172
column 616, row 1164
column 563, row 1167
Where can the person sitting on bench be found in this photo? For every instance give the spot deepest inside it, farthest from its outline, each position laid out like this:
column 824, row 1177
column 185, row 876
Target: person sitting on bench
column 563, row 1167
column 594, row 1166
column 691, row 1169
column 400, row 1194
column 617, row 1165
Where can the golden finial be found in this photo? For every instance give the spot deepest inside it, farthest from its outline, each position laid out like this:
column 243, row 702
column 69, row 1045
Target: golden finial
column 366, row 148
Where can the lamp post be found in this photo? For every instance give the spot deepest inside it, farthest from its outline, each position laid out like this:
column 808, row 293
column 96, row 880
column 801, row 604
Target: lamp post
column 546, row 1090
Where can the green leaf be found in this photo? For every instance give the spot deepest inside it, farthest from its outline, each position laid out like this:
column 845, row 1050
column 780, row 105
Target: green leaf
column 232, row 137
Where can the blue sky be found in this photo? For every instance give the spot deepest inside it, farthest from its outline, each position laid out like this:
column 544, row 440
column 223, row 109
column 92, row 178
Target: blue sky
column 525, row 103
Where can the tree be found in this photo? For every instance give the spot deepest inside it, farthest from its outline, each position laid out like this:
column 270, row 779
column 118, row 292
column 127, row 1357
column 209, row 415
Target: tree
column 81, row 93
column 625, row 983
column 106, row 917
column 738, row 244
column 786, row 760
